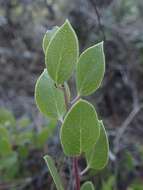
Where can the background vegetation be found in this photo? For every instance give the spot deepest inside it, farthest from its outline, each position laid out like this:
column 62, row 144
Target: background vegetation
column 25, row 136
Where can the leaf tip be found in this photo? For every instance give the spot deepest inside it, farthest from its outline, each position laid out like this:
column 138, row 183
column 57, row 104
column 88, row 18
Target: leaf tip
column 45, row 157
column 67, row 22
column 100, row 45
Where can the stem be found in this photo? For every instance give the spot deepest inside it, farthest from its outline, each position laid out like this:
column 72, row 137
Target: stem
column 75, row 99
column 84, row 171
column 75, row 159
column 76, row 173
column 65, row 96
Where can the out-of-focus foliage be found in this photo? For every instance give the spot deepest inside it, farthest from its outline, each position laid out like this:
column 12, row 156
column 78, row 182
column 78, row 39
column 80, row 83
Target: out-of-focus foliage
column 17, row 139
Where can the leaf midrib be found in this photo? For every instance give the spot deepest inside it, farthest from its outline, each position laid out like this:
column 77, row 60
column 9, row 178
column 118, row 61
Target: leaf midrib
column 59, row 64
column 86, row 78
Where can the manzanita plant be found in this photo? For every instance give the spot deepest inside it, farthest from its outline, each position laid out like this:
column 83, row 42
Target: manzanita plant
column 82, row 134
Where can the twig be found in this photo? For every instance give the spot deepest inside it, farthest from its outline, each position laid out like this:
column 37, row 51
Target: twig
column 70, row 183
column 75, row 159
column 84, row 171
column 75, row 99
column 63, row 88
column 93, row 3
column 124, row 126
column 76, row 173
column 112, row 156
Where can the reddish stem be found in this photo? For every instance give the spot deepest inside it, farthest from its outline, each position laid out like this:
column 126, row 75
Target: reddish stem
column 76, row 173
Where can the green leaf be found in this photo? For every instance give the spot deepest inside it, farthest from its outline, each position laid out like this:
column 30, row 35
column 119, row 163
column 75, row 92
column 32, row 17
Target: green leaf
column 49, row 99
column 45, row 133
column 25, row 137
column 48, row 36
column 90, row 69
column 42, row 136
column 4, row 133
column 97, row 157
column 109, row 184
column 8, row 161
column 87, row 186
column 24, row 122
column 23, row 151
column 5, row 147
column 80, row 129
column 9, row 166
column 137, row 184
column 7, row 118
column 53, row 171
column 62, row 53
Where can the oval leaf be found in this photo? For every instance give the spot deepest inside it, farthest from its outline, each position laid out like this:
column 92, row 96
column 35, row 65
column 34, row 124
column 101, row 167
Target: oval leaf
column 53, row 172
column 62, row 53
column 48, row 36
column 87, row 186
column 97, row 157
column 49, row 99
column 80, row 129
column 90, row 69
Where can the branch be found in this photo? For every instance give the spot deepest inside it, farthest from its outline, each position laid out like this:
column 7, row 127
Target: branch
column 93, row 3
column 75, row 159
column 76, row 173
column 124, row 126
column 63, row 88
column 84, row 171
column 75, row 99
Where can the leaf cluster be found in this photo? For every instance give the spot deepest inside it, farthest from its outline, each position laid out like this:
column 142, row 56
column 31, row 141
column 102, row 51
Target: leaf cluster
column 82, row 132
column 17, row 138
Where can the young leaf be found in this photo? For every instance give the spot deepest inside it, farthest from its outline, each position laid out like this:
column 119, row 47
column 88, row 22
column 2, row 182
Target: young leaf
column 48, row 36
column 87, row 186
column 80, row 129
column 49, row 99
column 61, row 54
column 97, row 157
column 90, row 69
column 53, row 172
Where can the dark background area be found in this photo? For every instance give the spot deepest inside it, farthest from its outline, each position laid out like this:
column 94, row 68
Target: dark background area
column 119, row 101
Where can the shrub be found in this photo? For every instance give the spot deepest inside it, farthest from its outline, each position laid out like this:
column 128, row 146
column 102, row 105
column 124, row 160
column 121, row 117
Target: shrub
column 81, row 132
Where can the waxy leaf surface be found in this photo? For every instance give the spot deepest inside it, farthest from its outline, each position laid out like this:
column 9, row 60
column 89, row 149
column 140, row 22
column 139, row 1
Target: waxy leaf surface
column 80, row 129
column 87, row 186
column 49, row 98
column 97, row 157
column 90, row 70
column 48, row 36
column 53, row 171
column 62, row 53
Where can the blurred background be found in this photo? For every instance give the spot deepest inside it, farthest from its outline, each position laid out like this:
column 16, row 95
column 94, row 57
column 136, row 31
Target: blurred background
column 25, row 136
